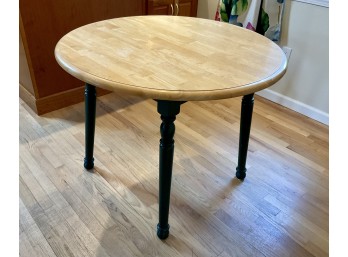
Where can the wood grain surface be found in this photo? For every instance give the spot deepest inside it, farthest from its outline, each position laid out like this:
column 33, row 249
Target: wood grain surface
column 43, row 23
column 171, row 58
column 281, row 208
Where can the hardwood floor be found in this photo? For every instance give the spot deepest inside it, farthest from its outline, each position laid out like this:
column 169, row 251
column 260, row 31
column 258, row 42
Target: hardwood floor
column 281, row 208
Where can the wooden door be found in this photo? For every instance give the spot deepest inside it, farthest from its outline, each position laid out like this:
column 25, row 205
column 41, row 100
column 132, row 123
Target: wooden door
column 160, row 7
column 186, row 8
column 44, row 22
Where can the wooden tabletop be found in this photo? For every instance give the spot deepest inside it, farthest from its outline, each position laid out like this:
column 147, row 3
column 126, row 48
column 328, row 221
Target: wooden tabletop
column 171, row 57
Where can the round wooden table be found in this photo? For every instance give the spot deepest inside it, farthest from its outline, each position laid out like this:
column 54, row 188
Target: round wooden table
column 172, row 60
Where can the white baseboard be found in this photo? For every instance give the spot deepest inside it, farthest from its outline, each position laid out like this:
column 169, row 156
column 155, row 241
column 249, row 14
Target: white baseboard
column 295, row 105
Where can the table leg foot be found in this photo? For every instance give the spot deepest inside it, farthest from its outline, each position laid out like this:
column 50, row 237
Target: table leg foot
column 88, row 163
column 241, row 174
column 168, row 111
column 90, row 110
column 162, row 233
column 244, row 134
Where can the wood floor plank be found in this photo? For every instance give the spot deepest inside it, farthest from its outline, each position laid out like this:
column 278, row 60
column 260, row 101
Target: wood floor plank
column 34, row 243
column 25, row 247
column 55, row 205
column 280, row 209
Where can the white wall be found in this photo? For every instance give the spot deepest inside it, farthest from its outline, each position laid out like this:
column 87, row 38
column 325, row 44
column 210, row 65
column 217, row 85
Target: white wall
column 305, row 86
column 206, row 9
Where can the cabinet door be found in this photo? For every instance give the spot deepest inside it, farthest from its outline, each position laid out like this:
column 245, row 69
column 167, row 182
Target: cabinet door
column 160, row 7
column 186, row 8
column 44, row 22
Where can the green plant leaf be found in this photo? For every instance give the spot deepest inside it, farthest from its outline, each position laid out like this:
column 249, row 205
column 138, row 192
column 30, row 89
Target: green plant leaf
column 239, row 6
column 263, row 22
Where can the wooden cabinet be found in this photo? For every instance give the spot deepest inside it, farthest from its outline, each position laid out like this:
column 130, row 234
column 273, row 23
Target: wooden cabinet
column 186, row 8
column 43, row 84
column 172, row 7
column 160, row 7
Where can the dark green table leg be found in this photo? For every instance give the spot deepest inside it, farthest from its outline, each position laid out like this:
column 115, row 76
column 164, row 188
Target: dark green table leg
column 168, row 111
column 245, row 124
column 90, row 108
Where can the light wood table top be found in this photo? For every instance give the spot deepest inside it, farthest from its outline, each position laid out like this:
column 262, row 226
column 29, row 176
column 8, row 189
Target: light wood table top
column 171, row 57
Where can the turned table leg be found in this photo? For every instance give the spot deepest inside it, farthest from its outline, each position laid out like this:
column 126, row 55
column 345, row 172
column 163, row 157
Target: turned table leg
column 168, row 111
column 90, row 108
column 245, row 124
